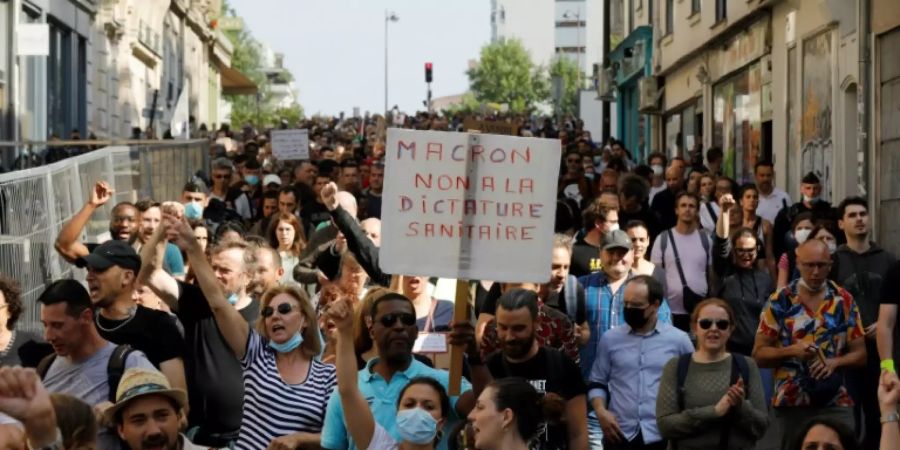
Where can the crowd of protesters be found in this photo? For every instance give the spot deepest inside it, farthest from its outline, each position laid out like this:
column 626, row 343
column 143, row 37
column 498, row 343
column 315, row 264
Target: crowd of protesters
column 684, row 310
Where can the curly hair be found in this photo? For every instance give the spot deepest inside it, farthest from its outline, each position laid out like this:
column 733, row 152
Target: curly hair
column 13, row 295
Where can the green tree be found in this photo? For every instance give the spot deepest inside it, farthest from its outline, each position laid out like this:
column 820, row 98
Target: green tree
column 506, row 74
column 256, row 109
column 567, row 70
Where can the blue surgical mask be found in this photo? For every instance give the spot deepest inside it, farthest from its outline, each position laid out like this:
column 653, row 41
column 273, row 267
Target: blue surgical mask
column 289, row 345
column 233, row 298
column 416, row 426
column 193, row 210
column 252, row 180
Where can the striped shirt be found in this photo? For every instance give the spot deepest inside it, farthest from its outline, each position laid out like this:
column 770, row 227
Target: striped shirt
column 273, row 408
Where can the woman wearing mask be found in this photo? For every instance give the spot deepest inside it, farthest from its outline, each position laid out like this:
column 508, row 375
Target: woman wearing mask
column 510, row 413
column 277, row 357
column 286, row 234
column 640, row 243
column 749, row 200
column 717, row 402
column 421, row 409
column 787, row 269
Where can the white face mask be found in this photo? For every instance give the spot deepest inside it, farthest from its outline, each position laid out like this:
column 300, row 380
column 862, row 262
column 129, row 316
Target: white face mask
column 801, row 235
column 613, row 227
column 811, row 200
column 657, row 169
column 832, row 247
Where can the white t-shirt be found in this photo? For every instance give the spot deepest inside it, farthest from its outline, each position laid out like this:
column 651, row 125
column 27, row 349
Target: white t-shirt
column 382, row 440
column 707, row 221
column 695, row 261
column 770, row 205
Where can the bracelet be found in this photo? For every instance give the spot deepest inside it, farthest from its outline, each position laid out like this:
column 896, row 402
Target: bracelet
column 57, row 444
column 892, row 417
column 887, row 365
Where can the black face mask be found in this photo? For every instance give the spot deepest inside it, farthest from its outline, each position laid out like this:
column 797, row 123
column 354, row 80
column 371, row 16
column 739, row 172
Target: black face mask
column 634, row 317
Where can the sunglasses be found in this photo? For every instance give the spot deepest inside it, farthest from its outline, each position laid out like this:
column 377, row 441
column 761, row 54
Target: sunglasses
column 283, row 309
column 745, row 251
column 705, row 324
column 388, row 320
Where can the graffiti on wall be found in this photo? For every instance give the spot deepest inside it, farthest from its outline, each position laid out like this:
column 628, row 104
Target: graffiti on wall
column 816, row 145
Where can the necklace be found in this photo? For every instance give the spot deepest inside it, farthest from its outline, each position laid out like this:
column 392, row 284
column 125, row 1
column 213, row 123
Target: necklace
column 131, row 314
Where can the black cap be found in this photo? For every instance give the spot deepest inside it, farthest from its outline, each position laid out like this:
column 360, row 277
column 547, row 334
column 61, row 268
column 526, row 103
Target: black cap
column 112, row 253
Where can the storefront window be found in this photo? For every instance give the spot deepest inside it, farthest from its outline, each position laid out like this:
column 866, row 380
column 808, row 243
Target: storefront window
column 736, row 122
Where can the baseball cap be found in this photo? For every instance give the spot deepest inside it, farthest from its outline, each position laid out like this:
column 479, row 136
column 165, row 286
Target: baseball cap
column 138, row 382
column 616, row 239
column 112, row 253
column 271, row 178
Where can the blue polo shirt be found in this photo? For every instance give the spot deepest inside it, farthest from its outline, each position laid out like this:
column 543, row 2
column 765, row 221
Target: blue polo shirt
column 382, row 397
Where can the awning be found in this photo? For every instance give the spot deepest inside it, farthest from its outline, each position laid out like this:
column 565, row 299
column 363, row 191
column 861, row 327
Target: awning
column 236, row 83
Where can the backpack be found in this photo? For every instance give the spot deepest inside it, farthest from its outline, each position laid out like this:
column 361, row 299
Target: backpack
column 115, row 368
column 738, row 367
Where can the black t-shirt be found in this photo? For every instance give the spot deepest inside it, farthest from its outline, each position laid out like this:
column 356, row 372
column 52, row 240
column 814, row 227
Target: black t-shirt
column 890, row 287
column 548, row 371
column 148, row 330
column 585, row 258
column 214, row 375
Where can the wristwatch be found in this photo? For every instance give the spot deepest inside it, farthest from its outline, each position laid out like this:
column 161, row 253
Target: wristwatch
column 57, row 444
column 892, row 417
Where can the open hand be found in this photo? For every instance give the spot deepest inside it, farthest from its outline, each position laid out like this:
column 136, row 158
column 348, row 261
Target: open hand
column 178, row 231
column 821, row 370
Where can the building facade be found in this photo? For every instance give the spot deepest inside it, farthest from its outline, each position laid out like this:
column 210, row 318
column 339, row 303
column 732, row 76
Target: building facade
column 113, row 67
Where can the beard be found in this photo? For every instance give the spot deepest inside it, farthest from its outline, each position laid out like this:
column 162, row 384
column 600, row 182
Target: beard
column 517, row 348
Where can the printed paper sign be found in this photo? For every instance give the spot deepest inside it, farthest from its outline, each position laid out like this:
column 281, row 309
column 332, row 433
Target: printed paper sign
column 469, row 206
column 290, row 144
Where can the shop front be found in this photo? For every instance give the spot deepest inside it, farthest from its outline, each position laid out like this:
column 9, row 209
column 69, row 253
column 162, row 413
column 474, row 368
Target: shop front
column 631, row 60
column 741, row 101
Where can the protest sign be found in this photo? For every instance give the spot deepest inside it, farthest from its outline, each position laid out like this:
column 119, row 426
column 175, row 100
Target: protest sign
column 469, row 206
column 492, row 127
column 290, row 144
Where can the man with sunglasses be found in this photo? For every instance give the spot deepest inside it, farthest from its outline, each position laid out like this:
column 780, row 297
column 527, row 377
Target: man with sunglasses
column 624, row 380
column 392, row 325
column 810, row 331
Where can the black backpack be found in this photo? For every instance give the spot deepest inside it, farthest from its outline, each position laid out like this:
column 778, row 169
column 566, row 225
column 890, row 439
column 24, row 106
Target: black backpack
column 114, row 368
column 739, row 367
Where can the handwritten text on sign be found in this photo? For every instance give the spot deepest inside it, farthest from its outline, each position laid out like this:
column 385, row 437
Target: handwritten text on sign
column 290, row 144
column 470, row 206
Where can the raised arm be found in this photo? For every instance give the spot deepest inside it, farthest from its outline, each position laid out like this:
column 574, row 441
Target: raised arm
column 152, row 274
column 359, row 421
column 358, row 243
column 68, row 243
column 231, row 324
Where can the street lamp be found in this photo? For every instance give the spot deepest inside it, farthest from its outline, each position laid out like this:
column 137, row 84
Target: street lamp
column 577, row 16
column 389, row 16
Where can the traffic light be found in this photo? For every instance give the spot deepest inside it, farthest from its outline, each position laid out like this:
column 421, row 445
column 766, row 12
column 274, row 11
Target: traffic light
column 428, row 77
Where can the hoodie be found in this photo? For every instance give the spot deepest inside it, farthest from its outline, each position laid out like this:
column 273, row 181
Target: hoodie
column 862, row 275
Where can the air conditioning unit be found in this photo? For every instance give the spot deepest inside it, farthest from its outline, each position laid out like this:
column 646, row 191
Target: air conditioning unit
column 606, row 85
column 649, row 95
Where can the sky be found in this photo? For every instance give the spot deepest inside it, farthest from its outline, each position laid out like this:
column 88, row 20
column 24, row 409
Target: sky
column 335, row 48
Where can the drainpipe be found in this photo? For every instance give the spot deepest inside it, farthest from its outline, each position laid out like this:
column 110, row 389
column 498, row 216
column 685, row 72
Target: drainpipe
column 862, row 98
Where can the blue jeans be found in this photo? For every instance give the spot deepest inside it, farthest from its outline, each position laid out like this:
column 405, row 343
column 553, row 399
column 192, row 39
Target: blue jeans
column 595, row 433
column 767, row 377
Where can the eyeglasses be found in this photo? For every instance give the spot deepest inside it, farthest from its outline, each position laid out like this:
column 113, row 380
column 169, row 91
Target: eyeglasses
column 407, row 319
column 745, row 251
column 282, row 309
column 721, row 324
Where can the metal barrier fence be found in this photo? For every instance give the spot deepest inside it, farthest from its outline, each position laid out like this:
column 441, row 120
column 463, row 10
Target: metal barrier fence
column 36, row 202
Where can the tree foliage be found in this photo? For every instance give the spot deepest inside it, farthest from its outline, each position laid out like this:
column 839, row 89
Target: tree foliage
column 567, row 69
column 256, row 109
column 506, row 74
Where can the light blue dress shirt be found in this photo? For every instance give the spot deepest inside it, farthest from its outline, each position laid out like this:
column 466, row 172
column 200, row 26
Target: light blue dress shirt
column 382, row 397
column 626, row 375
